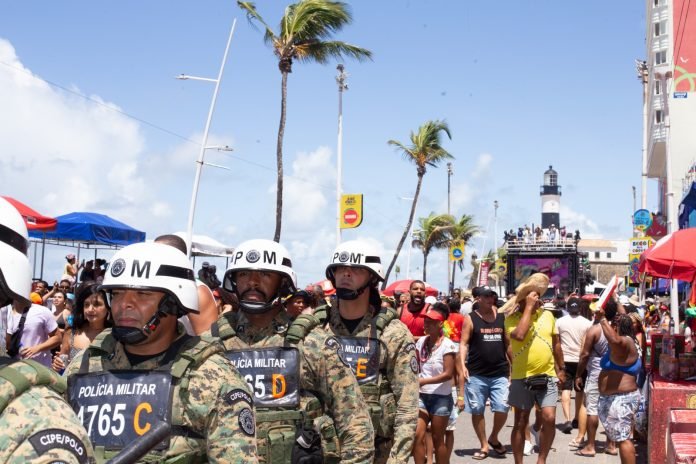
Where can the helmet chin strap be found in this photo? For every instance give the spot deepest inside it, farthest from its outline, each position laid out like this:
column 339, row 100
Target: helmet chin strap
column 136, row 336
column 256, row 307
column 348, row 294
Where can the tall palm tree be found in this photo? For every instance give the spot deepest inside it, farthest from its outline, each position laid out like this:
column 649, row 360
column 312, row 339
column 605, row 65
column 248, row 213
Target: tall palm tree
column 462, row 231
column 303, row 35
column 425, row 150
column 433, row 233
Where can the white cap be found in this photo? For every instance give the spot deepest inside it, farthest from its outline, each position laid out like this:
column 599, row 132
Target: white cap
column 430, row 299
column 157, row 267
column 15, row 275
column 261, row 255
column 355, row 253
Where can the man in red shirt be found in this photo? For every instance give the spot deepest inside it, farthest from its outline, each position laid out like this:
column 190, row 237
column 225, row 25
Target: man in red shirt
column 410, row 312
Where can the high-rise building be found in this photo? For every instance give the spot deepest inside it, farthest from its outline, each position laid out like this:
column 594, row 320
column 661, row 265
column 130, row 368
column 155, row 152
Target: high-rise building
column 669, row 84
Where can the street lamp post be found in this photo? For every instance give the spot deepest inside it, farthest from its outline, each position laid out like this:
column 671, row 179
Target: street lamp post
column 201, row 154
column 450, row 263
column 495, row 239
column 342, row 85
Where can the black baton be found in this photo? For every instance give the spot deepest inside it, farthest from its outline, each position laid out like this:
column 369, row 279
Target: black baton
column 142, row 445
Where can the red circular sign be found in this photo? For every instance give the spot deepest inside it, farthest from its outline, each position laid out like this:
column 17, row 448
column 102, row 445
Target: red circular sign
column 350, row 216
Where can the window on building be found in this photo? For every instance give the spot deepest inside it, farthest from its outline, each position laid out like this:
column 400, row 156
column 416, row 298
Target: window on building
column 659, row 116
column 657, row 2
column 608, row 255
column 596, row 254
column 660, row 28
column 660, row 57
column 658, row 87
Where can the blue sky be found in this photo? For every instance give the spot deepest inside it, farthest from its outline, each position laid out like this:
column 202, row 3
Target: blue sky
column 522, row 84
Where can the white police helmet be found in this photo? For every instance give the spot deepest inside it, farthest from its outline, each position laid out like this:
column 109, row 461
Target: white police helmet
column 261, row 255
column 355, row 253
column 15, row 275
column 157, row 267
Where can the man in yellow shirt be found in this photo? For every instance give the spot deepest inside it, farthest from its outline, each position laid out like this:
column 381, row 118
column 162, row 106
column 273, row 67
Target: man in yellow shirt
column 537, row 364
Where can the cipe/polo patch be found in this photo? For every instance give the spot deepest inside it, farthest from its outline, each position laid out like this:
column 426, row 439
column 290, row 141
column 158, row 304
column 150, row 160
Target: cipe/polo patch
column 235, row 396
column 51, row 439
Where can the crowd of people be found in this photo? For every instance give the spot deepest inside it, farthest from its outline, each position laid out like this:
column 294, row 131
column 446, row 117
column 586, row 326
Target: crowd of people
column 253, row 368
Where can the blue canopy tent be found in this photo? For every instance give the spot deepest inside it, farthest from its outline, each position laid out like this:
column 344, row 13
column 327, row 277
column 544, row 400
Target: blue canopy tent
column 88, row 230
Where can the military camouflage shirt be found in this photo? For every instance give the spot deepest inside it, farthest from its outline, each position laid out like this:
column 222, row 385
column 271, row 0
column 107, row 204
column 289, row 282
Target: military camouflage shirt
column 323, row 373
column 206, row 405
column 38, row 425
column 399, row 367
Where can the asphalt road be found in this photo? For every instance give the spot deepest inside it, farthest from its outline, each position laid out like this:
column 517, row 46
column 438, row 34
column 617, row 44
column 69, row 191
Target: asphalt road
column 466, row 443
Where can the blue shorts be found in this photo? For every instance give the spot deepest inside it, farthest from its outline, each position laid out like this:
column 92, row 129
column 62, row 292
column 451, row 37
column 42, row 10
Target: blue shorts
column 479, row 389
column 436, row 405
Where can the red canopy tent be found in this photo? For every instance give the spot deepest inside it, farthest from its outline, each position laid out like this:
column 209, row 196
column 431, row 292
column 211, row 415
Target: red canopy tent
column 672, row 257
column 34, row 220
column 402, row 286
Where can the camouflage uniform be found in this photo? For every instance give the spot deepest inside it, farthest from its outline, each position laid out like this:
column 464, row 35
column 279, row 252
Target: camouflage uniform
column 202, row 399
column 37, row 425
column 321, row 373
column 395, row 403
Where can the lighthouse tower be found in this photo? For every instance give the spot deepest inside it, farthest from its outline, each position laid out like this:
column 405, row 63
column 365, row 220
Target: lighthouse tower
column 550, row 200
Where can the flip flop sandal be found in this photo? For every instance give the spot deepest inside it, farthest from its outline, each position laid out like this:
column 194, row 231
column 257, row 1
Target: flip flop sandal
column 575, row 444
column 498, row 448
column 480, row 455
column 585, row 455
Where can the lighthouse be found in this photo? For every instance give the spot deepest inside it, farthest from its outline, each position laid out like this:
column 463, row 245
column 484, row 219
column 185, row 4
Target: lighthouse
column 550, row 200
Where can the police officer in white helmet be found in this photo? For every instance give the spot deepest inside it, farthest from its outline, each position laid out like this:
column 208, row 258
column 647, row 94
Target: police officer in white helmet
column 146, row 369
column 36, row 424
column 300, row 383
column 378, row 347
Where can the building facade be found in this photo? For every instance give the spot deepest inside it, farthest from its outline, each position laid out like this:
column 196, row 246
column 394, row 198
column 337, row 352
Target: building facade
column 669, row 86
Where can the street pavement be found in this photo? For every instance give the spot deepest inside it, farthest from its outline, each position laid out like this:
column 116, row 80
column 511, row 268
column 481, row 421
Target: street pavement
column 466, row 443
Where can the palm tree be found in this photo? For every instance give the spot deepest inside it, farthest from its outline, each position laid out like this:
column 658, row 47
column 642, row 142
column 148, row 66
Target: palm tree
column 433, row 233
column 492, row 270
column 425, row 150
column 462, row 231
column 303, row 33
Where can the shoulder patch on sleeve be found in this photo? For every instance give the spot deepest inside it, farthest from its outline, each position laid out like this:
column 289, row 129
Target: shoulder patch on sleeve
column 333, row 344
column 235, row 396
column 410, row 347
column 49, row 439
column 247, row 422
column 414, row 364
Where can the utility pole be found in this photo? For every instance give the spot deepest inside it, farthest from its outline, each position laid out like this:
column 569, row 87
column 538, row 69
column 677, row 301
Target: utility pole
column 342, row 85
column 642, row 74
column 450, row 263
column 495, row 240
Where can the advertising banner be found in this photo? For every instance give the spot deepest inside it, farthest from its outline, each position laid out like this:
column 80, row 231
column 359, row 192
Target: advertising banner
column 456, row 251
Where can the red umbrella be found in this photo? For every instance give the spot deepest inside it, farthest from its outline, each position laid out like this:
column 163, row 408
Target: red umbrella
column 34, row 220
column 672, row 257
column 402, row 286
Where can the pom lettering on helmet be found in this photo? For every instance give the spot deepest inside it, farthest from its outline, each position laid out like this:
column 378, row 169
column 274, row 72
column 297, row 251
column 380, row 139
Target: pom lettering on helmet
column 346, row 257
column 140, row 270
column 117, row 267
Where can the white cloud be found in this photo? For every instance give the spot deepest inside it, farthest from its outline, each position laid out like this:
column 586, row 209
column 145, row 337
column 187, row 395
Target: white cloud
column 579, row 221
column 306, row 188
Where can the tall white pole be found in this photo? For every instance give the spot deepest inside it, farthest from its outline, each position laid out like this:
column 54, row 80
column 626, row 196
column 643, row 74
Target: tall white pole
column 643, row 75
column 341, row 81
column 408, row 260
column 672, row 222
column 495, row 239
column 450, row 263
column 201, row 153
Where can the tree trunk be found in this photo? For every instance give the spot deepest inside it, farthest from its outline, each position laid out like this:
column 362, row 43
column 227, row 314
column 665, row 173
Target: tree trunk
column 425, row 265
column 408, row 228
column 279, row 157
column 454, row 269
